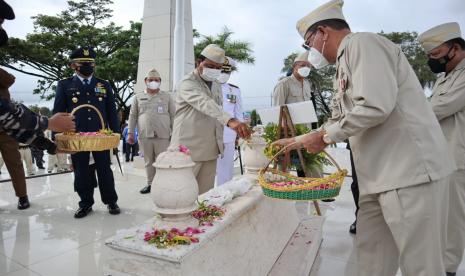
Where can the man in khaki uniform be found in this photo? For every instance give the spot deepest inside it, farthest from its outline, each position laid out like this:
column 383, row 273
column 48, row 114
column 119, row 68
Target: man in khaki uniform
column 295, row 88
column 153, row 113
column 399, row 150
column 445, row 48
column 199, row 119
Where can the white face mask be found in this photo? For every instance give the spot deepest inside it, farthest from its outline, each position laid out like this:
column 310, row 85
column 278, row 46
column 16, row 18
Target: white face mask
column 210, row 74
column 303, row 71
column 224, row 77
column 153, row 85
column 316, row 58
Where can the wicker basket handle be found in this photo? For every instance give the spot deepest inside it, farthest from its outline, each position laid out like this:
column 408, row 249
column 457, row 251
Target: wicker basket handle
column 292, row 144
column 92, row 107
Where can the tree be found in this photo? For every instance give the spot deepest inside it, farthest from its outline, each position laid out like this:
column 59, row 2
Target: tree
column 240, row 51
column 44, row 111
column 254, row 118
column 45, row 52
column 408, row 42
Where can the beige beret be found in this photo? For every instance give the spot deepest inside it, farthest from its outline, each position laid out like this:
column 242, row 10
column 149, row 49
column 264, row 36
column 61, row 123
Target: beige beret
column 301, row 57
column 214, row 53
column 434, row 37
column 153, row 73
column 330, row 10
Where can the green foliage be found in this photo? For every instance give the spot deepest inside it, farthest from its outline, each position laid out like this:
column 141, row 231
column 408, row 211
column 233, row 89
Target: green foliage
column 240, row 51
column 254, row 118
column 44, row 111
column 408, row 42
column 45, row 52
column 313, row 162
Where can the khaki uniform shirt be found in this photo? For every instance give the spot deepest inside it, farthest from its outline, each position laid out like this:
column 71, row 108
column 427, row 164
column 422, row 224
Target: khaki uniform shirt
column 153, row 115
column 395, row 138
column 448, row 102
column 199, row 119
column 289, row 90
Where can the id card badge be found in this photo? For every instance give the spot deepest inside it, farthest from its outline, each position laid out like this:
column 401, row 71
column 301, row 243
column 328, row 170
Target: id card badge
column 160, row 109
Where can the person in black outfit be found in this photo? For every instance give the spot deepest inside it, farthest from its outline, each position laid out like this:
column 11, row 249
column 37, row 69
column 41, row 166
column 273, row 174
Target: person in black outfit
column 355, row 191
column 85, row 88
column 38, row 157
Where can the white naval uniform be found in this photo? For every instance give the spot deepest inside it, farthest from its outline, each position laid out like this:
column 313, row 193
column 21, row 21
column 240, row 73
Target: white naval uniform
column 26, row 157
column 59, row 160
column 232, row 104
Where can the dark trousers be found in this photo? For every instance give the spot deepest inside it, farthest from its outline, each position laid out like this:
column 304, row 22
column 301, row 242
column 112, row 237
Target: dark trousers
column 84, row 178
column 37, row 157
column 131, row 151
column 354, row 185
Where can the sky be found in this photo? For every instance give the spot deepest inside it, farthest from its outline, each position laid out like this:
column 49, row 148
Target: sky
column 269, row 25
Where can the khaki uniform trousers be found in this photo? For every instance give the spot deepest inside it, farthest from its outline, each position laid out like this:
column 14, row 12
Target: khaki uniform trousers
column 402, row 228
column 26, row 156
column 151, row 148
column 456, row 222
column 12, row 158
column 205, row 172
column 60, row 160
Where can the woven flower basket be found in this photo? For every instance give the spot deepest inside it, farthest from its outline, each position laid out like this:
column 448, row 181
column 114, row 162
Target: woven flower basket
column 281, row 185
column 71, row 141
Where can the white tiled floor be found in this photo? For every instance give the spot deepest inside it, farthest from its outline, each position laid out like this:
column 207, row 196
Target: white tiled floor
column 46, row 240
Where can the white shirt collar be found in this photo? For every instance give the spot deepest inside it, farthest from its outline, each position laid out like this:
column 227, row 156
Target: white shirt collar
column 82, row 79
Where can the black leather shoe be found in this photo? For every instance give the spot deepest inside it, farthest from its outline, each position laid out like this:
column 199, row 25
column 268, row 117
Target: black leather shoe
column 450, row 273
column 82, row 212
column 23, row 203
column 146, row 189
column 113, row 209
column 353, row 228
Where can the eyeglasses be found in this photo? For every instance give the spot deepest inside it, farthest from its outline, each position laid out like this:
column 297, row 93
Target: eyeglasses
column 306, row 45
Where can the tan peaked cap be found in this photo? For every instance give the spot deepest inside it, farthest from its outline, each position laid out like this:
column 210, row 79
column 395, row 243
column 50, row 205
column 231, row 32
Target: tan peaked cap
column 153, row 73
column 435, row 36
column 301, row 57
column 330, row 10
column 214, row 53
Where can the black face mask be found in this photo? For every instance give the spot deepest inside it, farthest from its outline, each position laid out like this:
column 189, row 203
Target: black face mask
column 86, row 69
column 3, row 38
column 438, row 65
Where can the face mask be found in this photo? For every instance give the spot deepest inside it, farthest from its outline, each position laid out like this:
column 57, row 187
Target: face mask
column 210, row 74
column 316, row 58
column 438, row 65
column 3, row 37
column 154, row 85
column 224, row 77
column 303, row 71
column 86, row 69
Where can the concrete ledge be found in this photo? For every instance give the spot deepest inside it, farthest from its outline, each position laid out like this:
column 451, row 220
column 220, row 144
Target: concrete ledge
column 248, row 241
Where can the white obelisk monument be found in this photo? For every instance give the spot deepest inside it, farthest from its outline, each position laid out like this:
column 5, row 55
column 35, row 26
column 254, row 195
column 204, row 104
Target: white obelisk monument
column 166, row 42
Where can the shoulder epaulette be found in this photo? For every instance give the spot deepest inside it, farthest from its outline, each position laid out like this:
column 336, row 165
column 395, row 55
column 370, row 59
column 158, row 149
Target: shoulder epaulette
column 67, row 79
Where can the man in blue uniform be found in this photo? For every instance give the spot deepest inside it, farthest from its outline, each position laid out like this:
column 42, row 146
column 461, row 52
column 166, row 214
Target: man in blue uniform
column 84, row 88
